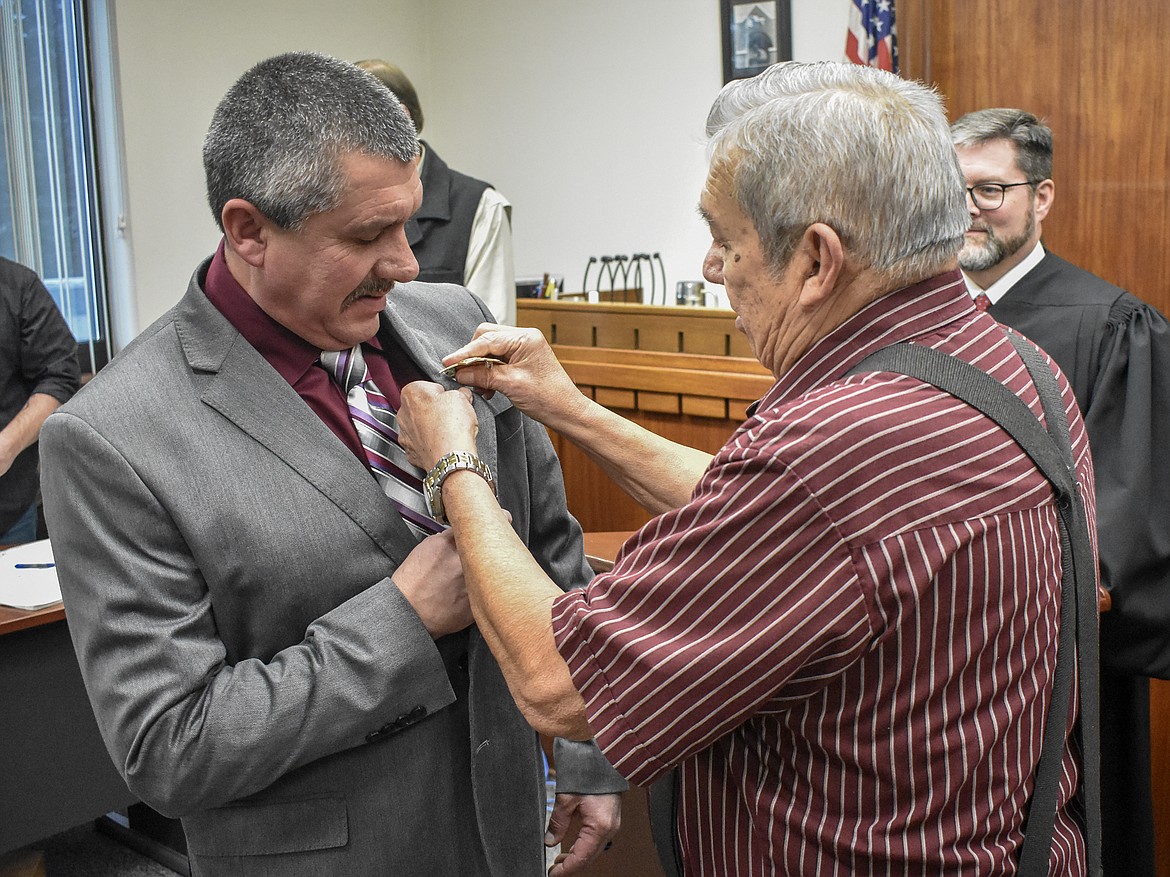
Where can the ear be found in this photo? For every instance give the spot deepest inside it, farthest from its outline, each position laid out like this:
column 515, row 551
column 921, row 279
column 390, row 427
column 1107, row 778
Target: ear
column 247, row 230
column 822, row 259
column 1045, row 193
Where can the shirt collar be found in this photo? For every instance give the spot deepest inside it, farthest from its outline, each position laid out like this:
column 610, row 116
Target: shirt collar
column 1002, row 286
column 905, row 313
column 283, row 349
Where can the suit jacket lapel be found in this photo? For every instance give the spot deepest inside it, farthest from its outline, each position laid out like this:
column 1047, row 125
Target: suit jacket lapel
column 427, row 351
column 245, row 389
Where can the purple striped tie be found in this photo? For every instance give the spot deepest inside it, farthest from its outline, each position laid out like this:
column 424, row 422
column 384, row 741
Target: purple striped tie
column 377, row 428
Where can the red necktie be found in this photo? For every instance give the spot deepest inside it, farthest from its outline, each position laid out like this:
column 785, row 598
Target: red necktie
column 982, row 302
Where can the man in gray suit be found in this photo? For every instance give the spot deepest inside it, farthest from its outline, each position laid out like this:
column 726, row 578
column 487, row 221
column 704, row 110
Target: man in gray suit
column 272, row 653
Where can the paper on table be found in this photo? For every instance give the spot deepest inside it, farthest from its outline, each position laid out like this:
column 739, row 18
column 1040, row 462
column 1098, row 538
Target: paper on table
column 31, row 587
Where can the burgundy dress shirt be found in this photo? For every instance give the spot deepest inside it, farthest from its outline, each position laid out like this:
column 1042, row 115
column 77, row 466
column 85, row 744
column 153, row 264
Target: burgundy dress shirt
column 296, row 359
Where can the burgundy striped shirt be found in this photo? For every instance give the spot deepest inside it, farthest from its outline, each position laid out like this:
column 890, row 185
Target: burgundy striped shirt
column 846, row 639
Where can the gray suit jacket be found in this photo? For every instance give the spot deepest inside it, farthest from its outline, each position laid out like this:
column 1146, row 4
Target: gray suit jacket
column 227, row 567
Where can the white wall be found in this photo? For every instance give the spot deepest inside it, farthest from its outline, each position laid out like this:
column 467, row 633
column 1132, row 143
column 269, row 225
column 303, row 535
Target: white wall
column 176, row 58
column 587, row 115
column 818, row 29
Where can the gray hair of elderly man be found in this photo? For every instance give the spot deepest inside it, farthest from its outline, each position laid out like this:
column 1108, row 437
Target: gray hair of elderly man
column 277, row 137
column 862, row 150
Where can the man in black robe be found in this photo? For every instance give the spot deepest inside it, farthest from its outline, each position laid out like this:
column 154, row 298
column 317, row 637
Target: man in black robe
column 1115, row 349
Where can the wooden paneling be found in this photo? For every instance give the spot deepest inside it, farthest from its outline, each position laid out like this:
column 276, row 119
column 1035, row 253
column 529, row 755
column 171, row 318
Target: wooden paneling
column 1160, row 769
column 674, row 375
column 1095, row 71
column 596, row 502
column 707, row 331
column 684, row 373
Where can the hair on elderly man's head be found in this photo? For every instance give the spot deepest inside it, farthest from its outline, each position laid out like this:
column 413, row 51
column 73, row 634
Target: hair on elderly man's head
column 861, row 150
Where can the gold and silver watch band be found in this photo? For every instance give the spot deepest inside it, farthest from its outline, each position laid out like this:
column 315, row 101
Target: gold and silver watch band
column 448, row 463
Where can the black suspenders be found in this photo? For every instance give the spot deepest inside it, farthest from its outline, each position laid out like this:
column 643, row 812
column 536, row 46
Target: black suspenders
column 1051, row 451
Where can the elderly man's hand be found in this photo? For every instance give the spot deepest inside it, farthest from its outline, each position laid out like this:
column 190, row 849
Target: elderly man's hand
column 530, row 376
column 598, row 816
column 433, row 422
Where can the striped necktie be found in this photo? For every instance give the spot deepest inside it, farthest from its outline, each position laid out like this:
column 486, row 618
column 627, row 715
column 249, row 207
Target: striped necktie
column 377, row 428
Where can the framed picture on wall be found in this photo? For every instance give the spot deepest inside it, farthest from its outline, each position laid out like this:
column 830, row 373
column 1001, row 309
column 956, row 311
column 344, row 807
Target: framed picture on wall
column 755, row 35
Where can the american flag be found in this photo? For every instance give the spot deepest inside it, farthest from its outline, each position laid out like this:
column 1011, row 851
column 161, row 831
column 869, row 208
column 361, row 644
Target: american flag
column 872, row 39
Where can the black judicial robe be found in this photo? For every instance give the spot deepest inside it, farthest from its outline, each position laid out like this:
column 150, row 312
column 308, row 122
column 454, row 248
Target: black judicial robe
column 1115, row 349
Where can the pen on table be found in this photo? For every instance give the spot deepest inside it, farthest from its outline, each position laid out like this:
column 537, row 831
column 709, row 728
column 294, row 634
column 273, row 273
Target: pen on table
column 34, row 565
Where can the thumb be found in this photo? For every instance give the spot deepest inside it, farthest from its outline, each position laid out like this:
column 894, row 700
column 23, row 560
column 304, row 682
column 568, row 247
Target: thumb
column 558, row 822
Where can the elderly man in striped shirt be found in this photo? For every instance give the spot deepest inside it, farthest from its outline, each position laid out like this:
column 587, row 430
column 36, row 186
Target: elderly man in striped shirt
column 840, row 631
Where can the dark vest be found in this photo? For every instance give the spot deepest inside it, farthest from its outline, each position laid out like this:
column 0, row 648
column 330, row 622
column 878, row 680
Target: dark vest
column 440, row 231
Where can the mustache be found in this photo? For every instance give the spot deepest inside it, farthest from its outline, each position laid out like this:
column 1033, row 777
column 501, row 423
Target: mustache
column 370, row 287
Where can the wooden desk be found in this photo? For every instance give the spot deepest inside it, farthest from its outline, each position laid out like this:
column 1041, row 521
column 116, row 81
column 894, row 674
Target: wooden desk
column 12, row 620
column 55, row 772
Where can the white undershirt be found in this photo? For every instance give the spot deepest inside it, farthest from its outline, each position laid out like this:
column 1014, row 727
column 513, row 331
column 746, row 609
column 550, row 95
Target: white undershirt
column 490, row 272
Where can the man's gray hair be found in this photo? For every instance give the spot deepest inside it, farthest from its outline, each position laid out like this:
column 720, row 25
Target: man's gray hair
column 1030, row 137
column 861, row 150
column 278, row 135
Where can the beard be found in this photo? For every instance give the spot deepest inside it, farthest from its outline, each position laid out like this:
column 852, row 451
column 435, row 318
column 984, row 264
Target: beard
column 993, row 250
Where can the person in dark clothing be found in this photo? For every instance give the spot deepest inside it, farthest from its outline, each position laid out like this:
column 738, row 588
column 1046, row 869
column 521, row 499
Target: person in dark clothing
column 38, row 371
column 1115, row 350
column 462, row 233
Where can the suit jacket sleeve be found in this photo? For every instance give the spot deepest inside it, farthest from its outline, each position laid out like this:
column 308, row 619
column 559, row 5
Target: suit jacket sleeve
column 1130, row 412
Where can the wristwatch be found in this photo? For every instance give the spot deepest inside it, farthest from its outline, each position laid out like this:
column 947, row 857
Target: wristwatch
column 448, row 463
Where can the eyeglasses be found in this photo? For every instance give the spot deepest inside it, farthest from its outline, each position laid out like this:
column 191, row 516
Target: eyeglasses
column 989, row 196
